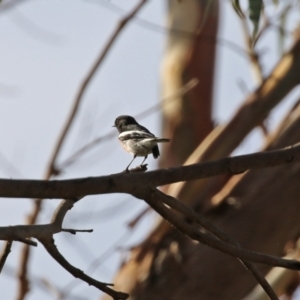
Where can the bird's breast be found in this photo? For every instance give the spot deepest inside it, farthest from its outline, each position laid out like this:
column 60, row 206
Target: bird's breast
column 136, row 147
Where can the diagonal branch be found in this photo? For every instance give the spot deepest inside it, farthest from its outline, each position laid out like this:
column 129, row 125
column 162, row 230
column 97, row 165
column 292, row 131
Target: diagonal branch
column 196, row 217
column 152, row 198
column 49, row 245
column 44, row 233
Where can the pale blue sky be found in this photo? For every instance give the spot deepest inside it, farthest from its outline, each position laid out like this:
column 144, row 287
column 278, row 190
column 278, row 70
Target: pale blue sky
column 47, row 47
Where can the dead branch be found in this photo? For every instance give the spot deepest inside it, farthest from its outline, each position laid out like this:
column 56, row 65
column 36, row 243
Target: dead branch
column 192, row 215
column 152, row 198
column 44, row 233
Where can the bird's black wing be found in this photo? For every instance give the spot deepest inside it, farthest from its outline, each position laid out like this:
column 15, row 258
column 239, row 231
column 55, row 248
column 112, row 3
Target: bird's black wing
column 138, row 127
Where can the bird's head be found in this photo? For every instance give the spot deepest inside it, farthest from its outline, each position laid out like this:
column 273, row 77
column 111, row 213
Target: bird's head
column 122, row 121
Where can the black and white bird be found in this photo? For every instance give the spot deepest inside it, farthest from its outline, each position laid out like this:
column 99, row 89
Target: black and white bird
column 136, row 139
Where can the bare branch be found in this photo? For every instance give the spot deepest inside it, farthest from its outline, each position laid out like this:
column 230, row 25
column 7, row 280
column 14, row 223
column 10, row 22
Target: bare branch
column 196, row 217
column 60, row 212
column 74, row 231
column 131, row 182
column 152, row 197
column 95, row 263
column 5, row 253
column 49, row 245
column 44, row 233
column 25, row 241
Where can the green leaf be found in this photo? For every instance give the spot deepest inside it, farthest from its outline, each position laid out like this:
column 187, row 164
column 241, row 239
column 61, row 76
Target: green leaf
column 255, row 7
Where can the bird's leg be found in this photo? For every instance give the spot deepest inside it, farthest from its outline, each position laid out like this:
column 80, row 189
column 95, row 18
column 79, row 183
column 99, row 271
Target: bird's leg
column 130, row 163
column 144, row 160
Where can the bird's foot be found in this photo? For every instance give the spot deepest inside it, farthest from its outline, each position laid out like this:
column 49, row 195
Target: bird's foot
column 126, row 171
column 140, row 168
column 143, row 168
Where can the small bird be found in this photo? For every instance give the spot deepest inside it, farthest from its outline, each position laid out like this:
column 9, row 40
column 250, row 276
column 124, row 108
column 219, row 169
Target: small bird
column 136, row 139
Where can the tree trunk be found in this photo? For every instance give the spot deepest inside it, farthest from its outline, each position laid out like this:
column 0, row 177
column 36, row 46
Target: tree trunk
column 259, row 209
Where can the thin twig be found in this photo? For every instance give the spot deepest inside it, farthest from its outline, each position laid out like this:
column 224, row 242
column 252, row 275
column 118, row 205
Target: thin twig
column 74, row 231
column 5, row 253
column 138, row 218
column 96, row 262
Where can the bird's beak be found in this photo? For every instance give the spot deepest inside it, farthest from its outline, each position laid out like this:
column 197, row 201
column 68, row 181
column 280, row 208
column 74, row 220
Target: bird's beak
column 113, row 126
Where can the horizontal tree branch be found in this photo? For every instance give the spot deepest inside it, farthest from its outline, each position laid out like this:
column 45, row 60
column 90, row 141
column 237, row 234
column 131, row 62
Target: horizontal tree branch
column 22, row 232
column 131, row 183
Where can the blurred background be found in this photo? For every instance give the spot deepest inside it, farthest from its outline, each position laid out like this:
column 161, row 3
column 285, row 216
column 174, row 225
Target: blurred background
column 47, row 50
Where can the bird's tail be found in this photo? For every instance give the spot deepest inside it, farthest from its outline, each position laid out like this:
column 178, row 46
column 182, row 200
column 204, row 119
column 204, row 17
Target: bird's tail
column 161, row 140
